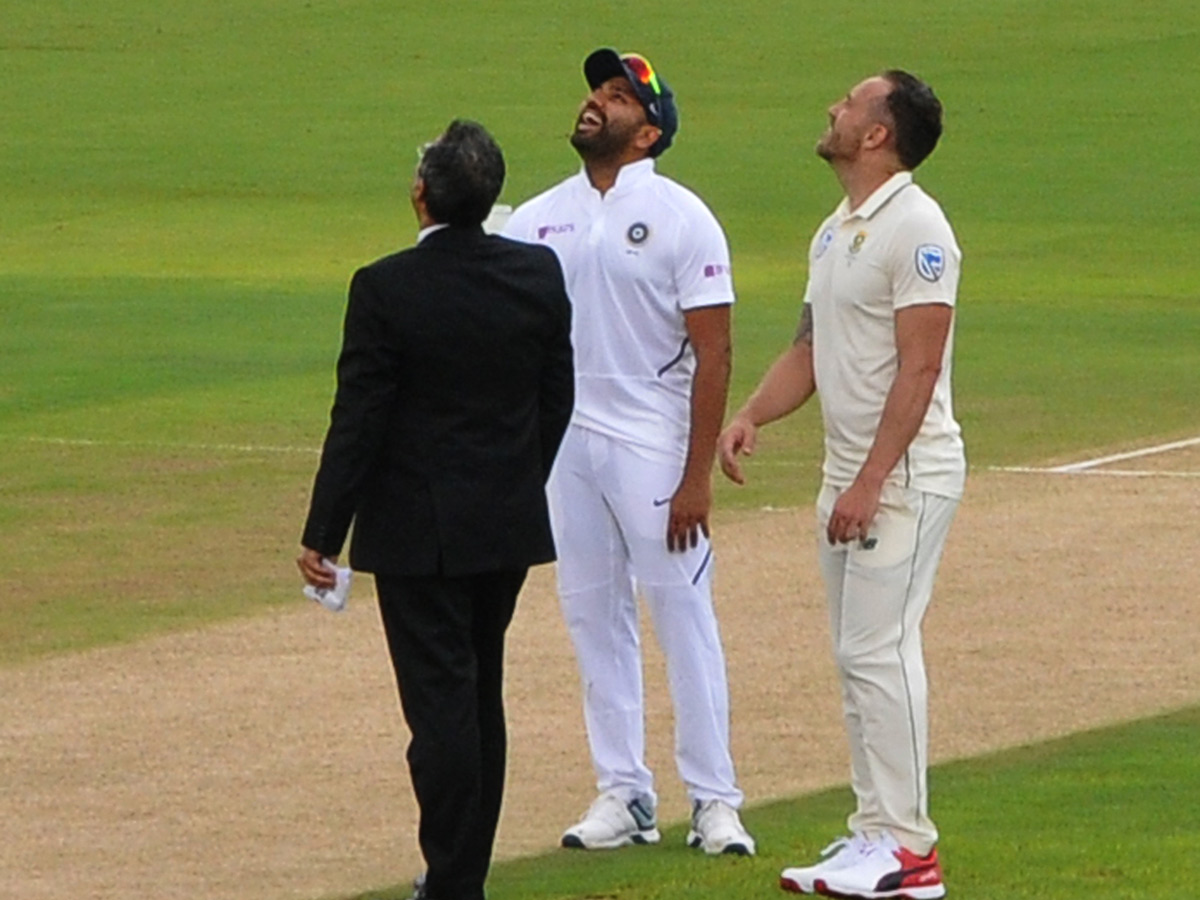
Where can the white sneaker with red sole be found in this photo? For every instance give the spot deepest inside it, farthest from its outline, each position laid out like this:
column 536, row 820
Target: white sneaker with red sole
column 843, row 852
column 885, row 870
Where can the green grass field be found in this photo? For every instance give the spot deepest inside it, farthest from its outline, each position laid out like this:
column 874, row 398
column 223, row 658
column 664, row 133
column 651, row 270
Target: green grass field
column 187, row 188
column 1081, row 818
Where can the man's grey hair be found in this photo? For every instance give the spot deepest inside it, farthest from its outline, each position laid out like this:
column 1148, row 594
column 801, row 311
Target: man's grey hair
column 463, row 171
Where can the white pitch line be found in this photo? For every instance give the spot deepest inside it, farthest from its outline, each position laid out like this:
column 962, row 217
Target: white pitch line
column 1121, row 457
column 164, row 445
column 1087, row 467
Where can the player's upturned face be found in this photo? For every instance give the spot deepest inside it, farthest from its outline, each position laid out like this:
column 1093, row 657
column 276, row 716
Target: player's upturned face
column 851, row 118
column 608, row 121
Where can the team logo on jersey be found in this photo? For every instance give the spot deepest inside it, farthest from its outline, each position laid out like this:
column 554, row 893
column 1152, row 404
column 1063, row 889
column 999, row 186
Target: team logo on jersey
column 858, row 241
column 637, row 233
column 931, row 261
column 823, row 242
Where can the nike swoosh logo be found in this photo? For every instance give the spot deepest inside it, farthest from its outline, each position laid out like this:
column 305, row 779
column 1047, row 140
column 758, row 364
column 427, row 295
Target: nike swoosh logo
column 661, row 502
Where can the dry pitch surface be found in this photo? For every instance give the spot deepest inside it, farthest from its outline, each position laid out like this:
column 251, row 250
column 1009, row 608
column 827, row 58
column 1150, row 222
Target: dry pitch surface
column 265, row 758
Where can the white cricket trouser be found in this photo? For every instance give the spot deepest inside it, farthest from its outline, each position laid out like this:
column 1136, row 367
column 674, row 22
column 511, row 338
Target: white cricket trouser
column 609, row 507
column 878, row 594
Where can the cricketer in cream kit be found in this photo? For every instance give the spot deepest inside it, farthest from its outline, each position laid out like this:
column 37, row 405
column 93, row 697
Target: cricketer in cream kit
column 874, row 343
column 896, row 250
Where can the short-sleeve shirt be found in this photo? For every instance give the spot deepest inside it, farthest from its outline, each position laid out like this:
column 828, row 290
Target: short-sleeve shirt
column 894, row 251
column 635, row 259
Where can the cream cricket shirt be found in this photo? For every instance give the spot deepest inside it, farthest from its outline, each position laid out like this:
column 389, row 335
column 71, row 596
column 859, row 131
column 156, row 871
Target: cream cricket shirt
column 635, row 260
column 896, row 250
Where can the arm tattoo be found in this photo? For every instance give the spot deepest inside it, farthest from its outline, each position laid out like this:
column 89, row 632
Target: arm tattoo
column 804, row 331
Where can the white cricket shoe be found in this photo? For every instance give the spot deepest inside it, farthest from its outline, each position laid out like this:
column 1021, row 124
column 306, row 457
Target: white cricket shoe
column 841, row 854
column 885, row 870
column 610, row 822
column 717, row 829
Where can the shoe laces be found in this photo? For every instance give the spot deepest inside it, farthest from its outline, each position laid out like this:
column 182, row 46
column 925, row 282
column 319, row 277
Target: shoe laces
column 611, row 808
column 884, row 845
column 606, row 805
column 711, row 809
column 857, row 843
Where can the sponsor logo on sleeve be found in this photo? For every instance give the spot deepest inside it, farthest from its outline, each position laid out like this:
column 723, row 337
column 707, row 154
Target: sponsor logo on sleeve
column 931, row 261
column 544, row 230
column 823, row 243
column 716, row 270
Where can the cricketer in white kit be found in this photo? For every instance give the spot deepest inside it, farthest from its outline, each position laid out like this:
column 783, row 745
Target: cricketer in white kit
column 875, row 341
column 648, row 273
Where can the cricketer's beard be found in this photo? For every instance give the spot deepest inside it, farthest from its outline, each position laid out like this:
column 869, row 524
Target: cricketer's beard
column 606, row 142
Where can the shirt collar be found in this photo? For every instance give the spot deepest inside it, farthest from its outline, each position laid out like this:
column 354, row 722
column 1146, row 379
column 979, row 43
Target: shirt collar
column 633, row 174
column 430, row 229
column 878, row 198
column 629, row 176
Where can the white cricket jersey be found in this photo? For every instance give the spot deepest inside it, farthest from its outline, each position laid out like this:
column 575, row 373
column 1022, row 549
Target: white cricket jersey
column 896, row 250
column 635, row 260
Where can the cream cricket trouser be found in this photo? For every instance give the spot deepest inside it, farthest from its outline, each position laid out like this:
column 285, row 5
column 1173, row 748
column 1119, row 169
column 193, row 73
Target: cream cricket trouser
column 609, row 507
column 878, row 592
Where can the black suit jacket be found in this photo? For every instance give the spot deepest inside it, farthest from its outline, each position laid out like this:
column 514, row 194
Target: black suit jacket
column 454, row 387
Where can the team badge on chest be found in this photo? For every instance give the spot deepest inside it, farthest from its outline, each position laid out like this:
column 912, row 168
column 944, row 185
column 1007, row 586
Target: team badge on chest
column 637, row 233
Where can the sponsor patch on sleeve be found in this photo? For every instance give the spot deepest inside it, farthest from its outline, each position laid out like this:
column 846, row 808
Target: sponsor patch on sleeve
column 715, row 270
column 823, row 243
column 931, row 261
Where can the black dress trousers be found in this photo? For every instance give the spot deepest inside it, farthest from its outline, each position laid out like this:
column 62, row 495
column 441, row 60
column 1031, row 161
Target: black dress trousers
column 446, row 639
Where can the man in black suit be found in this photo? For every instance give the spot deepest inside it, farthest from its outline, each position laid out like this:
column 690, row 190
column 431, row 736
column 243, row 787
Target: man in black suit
column 455, row 384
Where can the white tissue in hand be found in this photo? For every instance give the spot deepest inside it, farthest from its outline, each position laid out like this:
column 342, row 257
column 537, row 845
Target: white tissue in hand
column 334, row 598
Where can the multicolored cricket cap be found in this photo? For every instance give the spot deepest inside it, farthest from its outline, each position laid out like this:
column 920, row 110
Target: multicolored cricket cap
column 652, row 91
